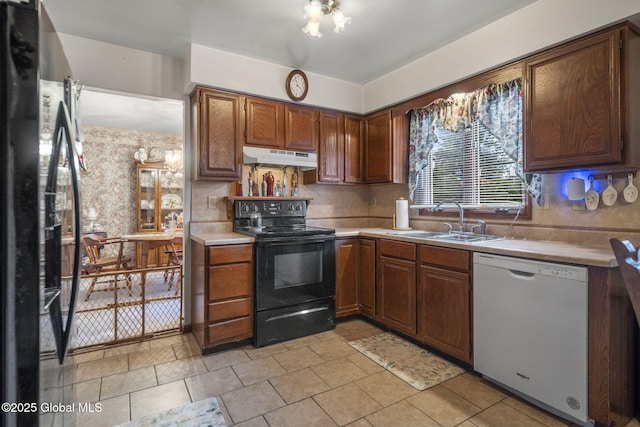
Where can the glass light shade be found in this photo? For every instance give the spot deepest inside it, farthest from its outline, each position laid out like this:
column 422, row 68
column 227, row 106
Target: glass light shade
column 340, row 20
column 313, row 10
column 312, row 28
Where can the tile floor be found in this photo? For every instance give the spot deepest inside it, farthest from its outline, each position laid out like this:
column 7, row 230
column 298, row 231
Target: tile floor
column 312, row 381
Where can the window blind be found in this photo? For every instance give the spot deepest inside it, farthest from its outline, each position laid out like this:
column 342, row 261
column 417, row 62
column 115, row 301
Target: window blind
column 472, row 168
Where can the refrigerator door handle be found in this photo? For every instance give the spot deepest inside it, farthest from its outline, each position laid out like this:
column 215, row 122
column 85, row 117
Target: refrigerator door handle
column 62, row 332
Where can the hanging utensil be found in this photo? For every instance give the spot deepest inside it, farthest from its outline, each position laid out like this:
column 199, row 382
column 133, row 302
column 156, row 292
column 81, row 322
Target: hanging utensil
column 591, row 197
column 609, row 195
column 630, row 192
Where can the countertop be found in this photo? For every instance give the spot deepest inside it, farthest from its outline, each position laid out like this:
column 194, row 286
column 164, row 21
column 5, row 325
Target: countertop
column 597, row 256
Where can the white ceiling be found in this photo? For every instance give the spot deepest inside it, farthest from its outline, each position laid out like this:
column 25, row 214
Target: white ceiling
column 383, row 35
column 119, row 111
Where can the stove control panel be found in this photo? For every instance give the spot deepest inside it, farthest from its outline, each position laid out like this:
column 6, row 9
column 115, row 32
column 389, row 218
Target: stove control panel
column 271, row 208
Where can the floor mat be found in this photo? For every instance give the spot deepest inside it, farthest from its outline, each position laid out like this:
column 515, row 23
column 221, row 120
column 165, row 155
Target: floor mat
column 407, row 361
column 197, row 414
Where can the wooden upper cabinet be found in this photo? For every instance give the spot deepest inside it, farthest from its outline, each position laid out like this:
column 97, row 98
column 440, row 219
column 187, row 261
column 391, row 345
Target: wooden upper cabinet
column 301, row 128
column 579, row 105
column 265, row 123
column 217, row 127
column 331, row 150
column 353, row 147
column 386, row 148
column 378, row 161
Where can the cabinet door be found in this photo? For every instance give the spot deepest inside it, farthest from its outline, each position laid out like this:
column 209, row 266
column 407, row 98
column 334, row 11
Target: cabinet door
column 572, row 105
column 218, row 125
column 147, row 199
column 301, row 128
column 346, row 277
column 367, row 277
column 396, row 294
column 265, row 123
column 330, row 159
column 353, row 139
column 444, row 314
column 378, row 155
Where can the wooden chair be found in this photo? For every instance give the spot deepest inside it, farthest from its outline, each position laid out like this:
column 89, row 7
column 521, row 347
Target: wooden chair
column 628, row 260
column 174, row 257
column 117, row 264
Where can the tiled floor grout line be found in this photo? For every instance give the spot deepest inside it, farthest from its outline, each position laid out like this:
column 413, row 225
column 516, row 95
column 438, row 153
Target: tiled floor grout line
column 344, row 336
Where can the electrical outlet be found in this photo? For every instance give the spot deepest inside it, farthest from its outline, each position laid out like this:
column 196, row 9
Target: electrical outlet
column 211, row 202
column 373, row 201
column 579, row 205
column 544, row 201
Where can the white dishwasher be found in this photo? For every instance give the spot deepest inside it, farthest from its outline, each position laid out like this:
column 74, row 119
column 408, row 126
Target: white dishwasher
column 530, row 331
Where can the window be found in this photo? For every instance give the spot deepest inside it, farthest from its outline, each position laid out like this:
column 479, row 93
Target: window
column 472, row 168
column 468, row 147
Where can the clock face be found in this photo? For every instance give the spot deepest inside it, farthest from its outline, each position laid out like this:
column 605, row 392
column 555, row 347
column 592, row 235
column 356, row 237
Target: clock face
column 297, row 85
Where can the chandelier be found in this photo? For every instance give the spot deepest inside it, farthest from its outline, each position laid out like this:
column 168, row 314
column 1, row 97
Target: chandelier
column 173, row 160
column 315, row 10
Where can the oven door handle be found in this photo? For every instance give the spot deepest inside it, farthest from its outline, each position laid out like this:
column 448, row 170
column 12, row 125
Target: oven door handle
column 288, row 241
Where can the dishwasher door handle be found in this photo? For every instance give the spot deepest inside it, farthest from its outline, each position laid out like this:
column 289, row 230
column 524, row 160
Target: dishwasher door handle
column 522, row 274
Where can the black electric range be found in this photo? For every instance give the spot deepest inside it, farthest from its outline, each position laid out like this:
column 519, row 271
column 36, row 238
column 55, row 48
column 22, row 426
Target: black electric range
column 294, row 270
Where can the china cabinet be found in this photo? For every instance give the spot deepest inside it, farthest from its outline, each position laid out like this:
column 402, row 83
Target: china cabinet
column 160, row 200
column 159, row 197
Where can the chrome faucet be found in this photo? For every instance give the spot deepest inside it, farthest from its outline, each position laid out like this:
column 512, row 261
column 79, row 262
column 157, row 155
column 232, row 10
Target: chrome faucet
column 438, row 208
column 481, row 225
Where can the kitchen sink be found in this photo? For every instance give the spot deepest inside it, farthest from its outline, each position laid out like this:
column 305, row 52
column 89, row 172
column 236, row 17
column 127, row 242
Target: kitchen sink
column 418, row 233
column 450, row 237
column 465, row 237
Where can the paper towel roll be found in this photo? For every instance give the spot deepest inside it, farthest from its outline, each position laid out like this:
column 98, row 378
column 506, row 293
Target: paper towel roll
column 575, row 189
column 402, row 213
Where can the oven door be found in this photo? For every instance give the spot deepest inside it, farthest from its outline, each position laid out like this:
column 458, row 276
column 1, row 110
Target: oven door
column 294, row 270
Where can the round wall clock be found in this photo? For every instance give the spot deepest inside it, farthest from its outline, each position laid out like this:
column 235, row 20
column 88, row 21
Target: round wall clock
column 297, row 85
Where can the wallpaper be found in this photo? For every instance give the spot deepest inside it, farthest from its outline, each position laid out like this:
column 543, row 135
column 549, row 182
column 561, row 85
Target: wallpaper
column 109, row 186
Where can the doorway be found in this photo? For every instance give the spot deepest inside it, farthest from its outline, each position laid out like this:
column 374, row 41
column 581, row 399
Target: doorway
column 134, row 302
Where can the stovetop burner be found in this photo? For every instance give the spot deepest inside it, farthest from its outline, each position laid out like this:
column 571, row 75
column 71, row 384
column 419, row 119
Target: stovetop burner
column 283, row 231
column 280, row 218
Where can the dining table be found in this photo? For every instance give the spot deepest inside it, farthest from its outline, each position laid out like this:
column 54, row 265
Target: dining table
column 146, row 242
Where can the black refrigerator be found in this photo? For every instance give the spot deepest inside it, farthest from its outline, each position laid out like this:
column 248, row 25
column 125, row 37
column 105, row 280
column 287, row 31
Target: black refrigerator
column 40, row 159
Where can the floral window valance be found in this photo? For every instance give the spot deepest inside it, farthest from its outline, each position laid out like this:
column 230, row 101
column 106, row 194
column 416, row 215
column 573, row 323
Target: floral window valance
column 498, row 107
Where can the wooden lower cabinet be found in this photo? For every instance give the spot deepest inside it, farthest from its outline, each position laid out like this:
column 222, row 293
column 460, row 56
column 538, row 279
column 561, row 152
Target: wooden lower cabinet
column 347, row 272
column 396, row 285
column 444, row 300
column 221, row 294
column 367, row 277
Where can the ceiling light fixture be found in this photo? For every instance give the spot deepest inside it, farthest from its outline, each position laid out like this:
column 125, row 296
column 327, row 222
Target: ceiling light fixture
column 315, row 10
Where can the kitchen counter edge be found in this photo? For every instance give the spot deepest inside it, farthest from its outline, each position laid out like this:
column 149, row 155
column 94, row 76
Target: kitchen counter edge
column 219, row 239
column 540, row 250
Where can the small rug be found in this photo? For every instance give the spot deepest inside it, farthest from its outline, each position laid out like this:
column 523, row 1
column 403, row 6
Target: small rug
column 203, row 413
column 407, row 361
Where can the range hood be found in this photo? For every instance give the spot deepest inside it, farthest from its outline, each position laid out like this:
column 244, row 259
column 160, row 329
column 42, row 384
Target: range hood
column 275, row 157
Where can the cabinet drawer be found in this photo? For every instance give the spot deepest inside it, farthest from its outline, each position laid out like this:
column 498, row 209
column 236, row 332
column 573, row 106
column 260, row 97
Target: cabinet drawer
column 231, row 309
column 445, row 257
column 231, row 330
column 230, row 254
column 230, row 281
column 394, row 249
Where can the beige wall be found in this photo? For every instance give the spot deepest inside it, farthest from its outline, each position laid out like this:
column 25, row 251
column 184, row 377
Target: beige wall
column 559, row 222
